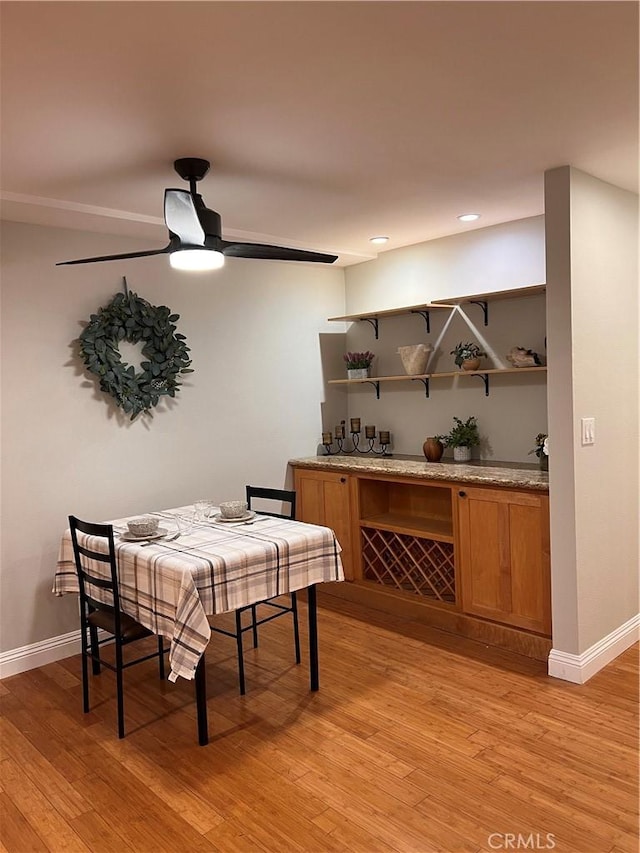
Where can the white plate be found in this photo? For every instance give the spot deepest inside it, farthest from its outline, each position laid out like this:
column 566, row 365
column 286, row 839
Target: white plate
column 134, row 537
column 245, row 517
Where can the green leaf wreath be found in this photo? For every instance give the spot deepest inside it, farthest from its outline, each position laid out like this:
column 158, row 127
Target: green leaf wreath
column 130, row 318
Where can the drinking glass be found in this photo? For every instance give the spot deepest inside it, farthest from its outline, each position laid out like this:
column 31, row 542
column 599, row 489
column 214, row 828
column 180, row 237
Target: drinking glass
column 201, row 510
column 184, row 524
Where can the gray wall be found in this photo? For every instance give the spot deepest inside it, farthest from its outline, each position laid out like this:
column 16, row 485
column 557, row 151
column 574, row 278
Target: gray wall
column 501, row 257
column 256, row 331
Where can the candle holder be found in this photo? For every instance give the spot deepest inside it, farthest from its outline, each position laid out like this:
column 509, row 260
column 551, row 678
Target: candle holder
column 341, row 442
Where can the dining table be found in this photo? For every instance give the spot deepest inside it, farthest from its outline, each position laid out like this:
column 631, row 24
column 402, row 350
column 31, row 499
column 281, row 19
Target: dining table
column 203, row 566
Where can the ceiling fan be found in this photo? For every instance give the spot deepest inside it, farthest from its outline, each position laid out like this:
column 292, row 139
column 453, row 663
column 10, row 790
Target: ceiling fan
column 195, row 241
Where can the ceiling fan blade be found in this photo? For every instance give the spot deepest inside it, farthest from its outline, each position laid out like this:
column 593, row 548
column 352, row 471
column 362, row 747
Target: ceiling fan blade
column 116, row 257
column 274, row 253
column 181, row 217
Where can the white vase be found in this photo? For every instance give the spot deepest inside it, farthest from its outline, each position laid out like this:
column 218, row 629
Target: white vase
column 462, row 453
column 358, row 373
column 415, row 358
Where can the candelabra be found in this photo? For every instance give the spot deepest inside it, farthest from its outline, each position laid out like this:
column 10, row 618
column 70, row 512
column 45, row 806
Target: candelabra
column 328, row 440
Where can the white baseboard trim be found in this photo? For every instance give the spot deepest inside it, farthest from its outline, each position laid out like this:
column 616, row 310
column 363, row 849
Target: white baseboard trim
column 580, row 668
column 39, row 654
column 575, row 668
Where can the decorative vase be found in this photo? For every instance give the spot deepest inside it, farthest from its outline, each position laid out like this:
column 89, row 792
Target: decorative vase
column 462, row 453
column 415, row 358
column 471, row 364
column 544, row 462
column 433, row 449
column 358, row 373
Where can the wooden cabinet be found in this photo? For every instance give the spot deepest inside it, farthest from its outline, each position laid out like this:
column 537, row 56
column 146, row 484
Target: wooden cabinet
column 472, row 560
column 504, row 556
column 323, row 498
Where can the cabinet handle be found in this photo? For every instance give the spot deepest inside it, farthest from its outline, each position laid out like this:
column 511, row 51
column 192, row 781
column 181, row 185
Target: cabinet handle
column 343, row 479
column 462, row 494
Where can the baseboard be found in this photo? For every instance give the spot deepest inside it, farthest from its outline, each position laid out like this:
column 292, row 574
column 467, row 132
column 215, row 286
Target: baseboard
column 580, row 668
column 39, row 654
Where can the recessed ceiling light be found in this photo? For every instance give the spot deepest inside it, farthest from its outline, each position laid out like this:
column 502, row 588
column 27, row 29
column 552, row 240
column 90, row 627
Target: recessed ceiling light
column 469, row 217
column 378, row 239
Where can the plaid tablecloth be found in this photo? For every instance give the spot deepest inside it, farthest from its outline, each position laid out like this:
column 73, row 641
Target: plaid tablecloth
column 171, row 587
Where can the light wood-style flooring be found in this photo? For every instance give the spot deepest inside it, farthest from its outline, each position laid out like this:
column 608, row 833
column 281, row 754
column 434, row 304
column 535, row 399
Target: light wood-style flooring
column 417, row 741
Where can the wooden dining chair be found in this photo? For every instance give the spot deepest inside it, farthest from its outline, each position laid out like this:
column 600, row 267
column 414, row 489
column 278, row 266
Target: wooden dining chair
column 108, row 617
column 286, row 501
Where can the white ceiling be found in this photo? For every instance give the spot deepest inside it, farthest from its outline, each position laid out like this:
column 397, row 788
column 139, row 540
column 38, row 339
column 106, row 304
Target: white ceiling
column 326, row 122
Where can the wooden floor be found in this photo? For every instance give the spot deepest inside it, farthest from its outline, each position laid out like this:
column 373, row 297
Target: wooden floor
column 417, row 741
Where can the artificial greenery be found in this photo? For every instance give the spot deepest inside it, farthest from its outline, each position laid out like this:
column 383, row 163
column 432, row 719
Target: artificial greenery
column 462, row 434
column 130, row 318
column 542, row 445
column 463, row 352
column 358, row 360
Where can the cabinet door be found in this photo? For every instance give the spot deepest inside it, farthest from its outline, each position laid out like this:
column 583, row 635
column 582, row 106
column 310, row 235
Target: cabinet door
column 504, row 556
column 323, row 498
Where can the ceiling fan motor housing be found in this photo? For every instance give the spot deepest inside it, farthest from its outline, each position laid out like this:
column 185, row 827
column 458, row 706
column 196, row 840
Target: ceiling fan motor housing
column 209, row 219
column 191, row 168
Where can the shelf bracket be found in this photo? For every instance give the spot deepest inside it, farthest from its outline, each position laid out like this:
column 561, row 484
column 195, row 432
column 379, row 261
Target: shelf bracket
column 425, row 315
column 376, row 385
column 374, row 323
column 485, row 378
column 485, row 308
column 425, row 382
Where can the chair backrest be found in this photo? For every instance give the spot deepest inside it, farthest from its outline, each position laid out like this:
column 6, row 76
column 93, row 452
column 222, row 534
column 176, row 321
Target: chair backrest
column 89, row 579
column 283, row 496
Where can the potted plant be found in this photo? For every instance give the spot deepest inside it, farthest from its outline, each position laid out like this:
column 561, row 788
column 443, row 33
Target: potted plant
column 463, row 436
column 358, row 364
column 467, row 356
column 541, row 450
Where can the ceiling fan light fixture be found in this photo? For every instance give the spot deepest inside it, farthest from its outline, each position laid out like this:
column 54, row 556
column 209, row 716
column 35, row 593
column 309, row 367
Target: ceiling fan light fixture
column 195, row 232
column 468, row 217
column 196, row 260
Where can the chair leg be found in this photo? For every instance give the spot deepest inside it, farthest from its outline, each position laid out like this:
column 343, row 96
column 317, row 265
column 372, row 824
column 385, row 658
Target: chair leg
column 161, row 657
column 296, row 627
column 240, row 651
column 85, row 671
column 95, row 650
column 120, row 690
column 254, row 623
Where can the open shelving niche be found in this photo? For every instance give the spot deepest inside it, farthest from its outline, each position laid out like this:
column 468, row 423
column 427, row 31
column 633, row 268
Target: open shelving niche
column 407, row 539
column 480, row 299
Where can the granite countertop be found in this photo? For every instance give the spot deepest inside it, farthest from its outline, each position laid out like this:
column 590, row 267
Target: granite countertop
column 485, row 473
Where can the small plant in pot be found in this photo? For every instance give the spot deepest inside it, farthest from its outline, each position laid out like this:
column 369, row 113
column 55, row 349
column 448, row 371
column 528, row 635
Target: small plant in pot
column 541, row 450
column 467, row 356
column 358, row 364
column 462, row 437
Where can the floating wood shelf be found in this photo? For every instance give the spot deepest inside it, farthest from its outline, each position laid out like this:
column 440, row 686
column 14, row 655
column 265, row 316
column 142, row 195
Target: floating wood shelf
column 483, row 299
column 515, row 293
column 372, row 317
column 424, row 309
column 425, row 378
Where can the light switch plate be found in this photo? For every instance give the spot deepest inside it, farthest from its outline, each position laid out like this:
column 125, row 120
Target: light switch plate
column 588, row 431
